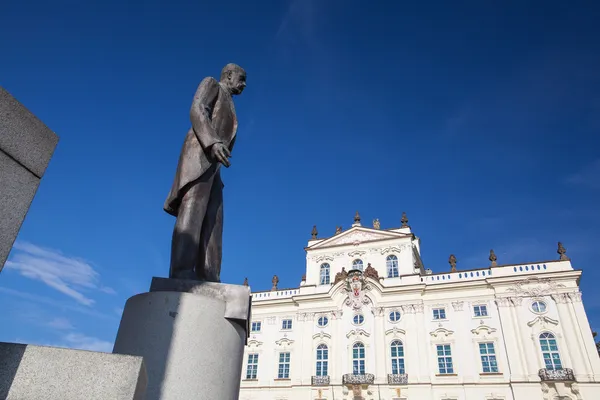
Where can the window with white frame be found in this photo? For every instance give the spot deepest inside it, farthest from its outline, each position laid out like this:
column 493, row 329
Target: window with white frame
column 357, row 264
column 358, row 319
column 488, row 357
column 538, row 307
column 255, row 327
column 439, row 313
column 286, row 324
column 322, row 360
column 322, row 321
column 480, row 310
column 394, row 316
column 550, row 351
column 324, row 274
column 397, row 354
column 358, row 359
column 284, row 366
column 391, row 263
column 252, row 367
column 444, row 356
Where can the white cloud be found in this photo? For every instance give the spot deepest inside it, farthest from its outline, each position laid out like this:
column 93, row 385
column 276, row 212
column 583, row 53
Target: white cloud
column 80, row 341
column 69, row 275
column 60, row 323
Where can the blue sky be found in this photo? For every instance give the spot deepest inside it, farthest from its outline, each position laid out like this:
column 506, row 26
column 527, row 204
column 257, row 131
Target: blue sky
column 481, row 121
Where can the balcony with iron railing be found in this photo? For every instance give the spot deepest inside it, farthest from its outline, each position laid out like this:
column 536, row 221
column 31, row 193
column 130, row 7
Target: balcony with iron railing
column 397, row 379
column 358, row 379
column 317, row 380
column 560, row 374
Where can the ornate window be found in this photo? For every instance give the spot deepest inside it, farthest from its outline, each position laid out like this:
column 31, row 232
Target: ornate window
column 397, row 352
column 538, row 307
column 255, row 326
column 488, row 357
column 444, row 356
column 358, row 359
column 480, row 310
column 395, row 316
column 252, row 367
column 286, row 324
column 357, row 264
column 358, row 319
column 439, row 313
column 322, row 360
column 391, row 263
column 550, row 351
column 322, row 321
column 324, row 274
column 284, row 366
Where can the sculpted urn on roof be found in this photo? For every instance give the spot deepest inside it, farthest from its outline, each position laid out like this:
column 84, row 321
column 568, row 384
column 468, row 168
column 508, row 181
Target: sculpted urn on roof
column 196, row 197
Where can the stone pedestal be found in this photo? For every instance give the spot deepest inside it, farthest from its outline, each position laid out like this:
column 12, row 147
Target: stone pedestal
column 30, row 372
column 191, row 335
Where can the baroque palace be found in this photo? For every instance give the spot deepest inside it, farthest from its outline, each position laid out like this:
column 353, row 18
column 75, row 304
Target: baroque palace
column 368, row 321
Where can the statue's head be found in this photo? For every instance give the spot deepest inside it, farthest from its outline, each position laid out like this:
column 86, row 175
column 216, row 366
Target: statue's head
column 234, row 77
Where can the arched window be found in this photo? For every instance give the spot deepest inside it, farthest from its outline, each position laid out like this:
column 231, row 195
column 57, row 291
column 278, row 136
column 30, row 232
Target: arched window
column 391, row 263
column 358, row 359
column 397, row 350
column 324, row 280
column 550, row 351
column 322, row 360
column 357, row 264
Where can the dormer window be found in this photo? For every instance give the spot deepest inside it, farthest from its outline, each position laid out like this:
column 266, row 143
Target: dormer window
column 357, row 264
column 324, row 276
column 391, row 263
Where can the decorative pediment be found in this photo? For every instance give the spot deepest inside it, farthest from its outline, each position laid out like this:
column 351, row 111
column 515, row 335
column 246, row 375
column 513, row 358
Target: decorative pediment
column 321, row 335
column 284, row 342
column 254, row 343
column 483, row 331
column 441, row 333
column 535, row 287
column 357, row 333
column 543, row 320
column 395, row 332
column 356, row 236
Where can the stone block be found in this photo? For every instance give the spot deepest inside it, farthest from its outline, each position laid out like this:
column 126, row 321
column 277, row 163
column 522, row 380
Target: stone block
column 23, row 136
column 17, row 188
column 30, row 372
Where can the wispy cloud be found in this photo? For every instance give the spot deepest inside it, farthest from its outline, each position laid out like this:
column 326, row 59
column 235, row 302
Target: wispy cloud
column 73, row 340
column 60, row 324
column 588, row 176
column 71, row 276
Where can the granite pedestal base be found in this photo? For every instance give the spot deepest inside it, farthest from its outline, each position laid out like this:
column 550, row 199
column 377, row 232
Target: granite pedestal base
column 191, row 335
column 30, row 372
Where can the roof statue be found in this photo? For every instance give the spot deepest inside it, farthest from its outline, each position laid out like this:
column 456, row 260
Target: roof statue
column 493, row 259
column 340, row 276
column 376, row 224
column 314, row 232
column 245, row 281
column 274, row 281
column 562, row 252
column 196, row 195
column 452, row 262
column 371, row 272
column 404, row 220
column 338, row 230
column 356, row 219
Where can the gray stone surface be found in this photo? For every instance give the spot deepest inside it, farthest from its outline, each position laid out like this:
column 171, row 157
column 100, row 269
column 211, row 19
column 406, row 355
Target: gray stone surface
column 26, row 146
column 190, row 349
column 237, row 298
column 17, row 188
column 23, row 136
column 47, row 373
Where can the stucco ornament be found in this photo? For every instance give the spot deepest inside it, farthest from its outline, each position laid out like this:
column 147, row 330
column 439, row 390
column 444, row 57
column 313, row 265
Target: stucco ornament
column 543, row 287
column 356, row 286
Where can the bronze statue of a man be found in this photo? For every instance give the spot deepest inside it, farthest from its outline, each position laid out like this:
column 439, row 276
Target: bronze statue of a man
column 196, row 197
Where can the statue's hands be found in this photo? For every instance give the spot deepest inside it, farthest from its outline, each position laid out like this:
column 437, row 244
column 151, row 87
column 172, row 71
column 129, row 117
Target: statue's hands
column 220, row 153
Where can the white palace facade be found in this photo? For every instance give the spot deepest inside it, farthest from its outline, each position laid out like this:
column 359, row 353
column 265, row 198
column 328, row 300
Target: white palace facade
column 368, row 321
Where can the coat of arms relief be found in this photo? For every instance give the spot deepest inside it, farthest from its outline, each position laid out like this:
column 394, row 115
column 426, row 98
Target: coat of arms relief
column 356, row 286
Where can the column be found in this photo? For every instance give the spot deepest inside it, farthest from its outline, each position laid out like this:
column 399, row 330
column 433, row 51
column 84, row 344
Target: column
column 513, row 352
column 569, row 328
column 424, row 370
